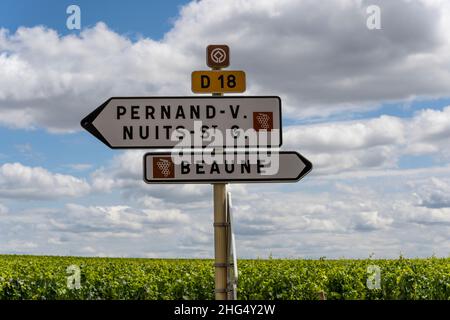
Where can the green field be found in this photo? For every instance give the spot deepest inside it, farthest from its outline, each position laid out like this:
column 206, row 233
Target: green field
column 41, row 277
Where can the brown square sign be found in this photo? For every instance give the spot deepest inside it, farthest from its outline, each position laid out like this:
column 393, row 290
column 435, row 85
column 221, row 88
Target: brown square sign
column 217, row 56
column 263, row 121
column 163, row 167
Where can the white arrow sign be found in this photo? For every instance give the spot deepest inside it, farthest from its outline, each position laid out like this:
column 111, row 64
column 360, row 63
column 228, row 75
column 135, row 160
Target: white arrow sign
column 167, row 167
column 168, row 122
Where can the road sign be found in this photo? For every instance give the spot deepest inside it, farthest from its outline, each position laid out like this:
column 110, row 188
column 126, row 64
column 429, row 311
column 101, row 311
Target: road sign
column 217, row 56
column 164, row 122
column 218, row 81
column 283, row 166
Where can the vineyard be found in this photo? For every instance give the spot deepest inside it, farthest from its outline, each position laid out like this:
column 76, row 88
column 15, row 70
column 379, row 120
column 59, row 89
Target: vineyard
column 30, row 277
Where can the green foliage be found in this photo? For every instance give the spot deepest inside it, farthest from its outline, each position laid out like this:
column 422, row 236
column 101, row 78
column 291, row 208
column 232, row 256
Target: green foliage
column 30, row 277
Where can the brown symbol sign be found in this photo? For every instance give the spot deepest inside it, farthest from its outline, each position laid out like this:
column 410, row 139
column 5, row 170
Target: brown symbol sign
column 163, row 167
column 263, row 121
column 217, row 56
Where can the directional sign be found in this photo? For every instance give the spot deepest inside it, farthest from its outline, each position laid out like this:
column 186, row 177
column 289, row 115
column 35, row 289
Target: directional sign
column 218, row 81
column 217, row 56
column 283, row 166
column 164, row 122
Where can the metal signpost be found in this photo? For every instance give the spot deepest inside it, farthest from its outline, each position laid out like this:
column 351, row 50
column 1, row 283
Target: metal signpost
column 217, row 57
column 232, row 254
column 217, row 124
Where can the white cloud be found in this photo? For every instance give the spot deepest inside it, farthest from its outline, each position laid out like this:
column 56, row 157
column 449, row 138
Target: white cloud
column 116, row 221
column 79, row 74
column 19, row 181
column 28, row 152
column 324, row 62
column 125, row 172
column 165, row 216
column 319, row 57
column 357, row 217
column 323, row 54
column 275, row 214
column 377, row 143
column 351, row 218
column 371, row 220
column 347, row 136
column 429, row 132
column 434, row 193
column 3, row 210
column 426, row 216
column 19, row 245
column 79, row 166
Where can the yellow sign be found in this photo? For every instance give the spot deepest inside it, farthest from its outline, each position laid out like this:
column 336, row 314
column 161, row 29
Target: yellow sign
column 218, row 81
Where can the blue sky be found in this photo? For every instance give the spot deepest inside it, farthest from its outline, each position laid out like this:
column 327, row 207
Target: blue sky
column 142, row 18
column 369, row 108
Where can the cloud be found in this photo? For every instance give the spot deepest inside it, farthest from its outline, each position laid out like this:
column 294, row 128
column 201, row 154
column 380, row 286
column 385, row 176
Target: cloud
column 368, row 146
column 347, row 136
column 125, row 172
column 19, row 245
column 325, row 62
column 79, row 166
column 28, row 152
column 434, row 193
column 377, row 143
column 79, row 74
column 275, row 214
column 21, row 182
column 347, row 219
column 327, row 57
column 24, row 148
column 116, row 221
column 371, row 220
column 352, row 216
column 429, row 132
column 3, row 210
column 421, row 215
column 97, row 219
column 111, row 230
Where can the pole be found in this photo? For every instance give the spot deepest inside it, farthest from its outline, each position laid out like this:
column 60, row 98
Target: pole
column 231, row 253
column 220, row 241
column 220, row 235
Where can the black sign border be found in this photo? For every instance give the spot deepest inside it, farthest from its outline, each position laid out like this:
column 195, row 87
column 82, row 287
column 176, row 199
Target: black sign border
column 87, row 122
column 304, row 172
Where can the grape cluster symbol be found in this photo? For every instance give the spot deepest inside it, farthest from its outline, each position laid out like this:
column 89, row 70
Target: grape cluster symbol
column 263, row 120
column 164, row 167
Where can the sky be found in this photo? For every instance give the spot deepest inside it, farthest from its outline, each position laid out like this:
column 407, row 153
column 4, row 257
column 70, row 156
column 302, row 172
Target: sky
column 370, row 108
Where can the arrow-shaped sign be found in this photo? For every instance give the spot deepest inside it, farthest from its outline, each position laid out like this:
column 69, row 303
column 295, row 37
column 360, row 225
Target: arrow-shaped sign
column 164, row 122
column 238, row 167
